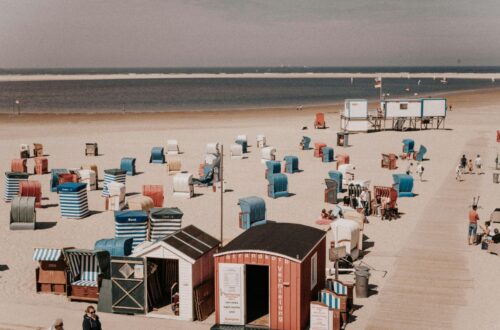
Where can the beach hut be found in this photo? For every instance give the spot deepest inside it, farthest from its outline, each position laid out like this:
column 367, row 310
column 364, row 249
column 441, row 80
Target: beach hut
column 212, row 148
column 155, row 192
column 172, row 147
column 331, row 191
column 403, row 183
column 327, row 154
column 346, row 233
column 37, row 150
column 183, row 185
column 19, row 165
column 24, row 151
column 22, row 213
column 91, row 149
column 272, row 167
column 236, row 151
column 11, row 184
column 41, row 165
column 261, row 141
column 419, row 156
column 113, row 175
column 337, row 177
column 354, row 117
column 267, row 153
column 342, row 159
column 116, row 196
column 51, row 275
column 253, row 212
column 164, row 221
column 319, row 121
column 132, row 224
column 277, row 185
column 88, row 177
column 54, row 177
column 305, row 142
column 173, row 164
column 389, row 161
column 268, row 275
column 117, row 247
column 87, row 270
column 182, row 286
column 318, row 149
column 31, row 188
column 157, row 155
column 73, row 200
column 408, row 146
column 291, row 164
column 141, row 203
column 128, row 164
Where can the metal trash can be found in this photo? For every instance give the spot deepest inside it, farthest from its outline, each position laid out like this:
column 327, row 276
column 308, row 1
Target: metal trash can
column 496, row 177
column 362, row 283
column 342, row 139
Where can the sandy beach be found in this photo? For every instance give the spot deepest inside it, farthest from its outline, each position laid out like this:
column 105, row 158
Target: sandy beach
column 426, row 249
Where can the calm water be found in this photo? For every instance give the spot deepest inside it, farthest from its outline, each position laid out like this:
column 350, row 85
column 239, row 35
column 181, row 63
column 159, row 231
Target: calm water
column 208, row 93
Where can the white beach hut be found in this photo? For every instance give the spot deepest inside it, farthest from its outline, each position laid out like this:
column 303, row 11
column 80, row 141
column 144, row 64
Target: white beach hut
column 346, row 233
column 354, row 118
column 267, row 153
column 172, row 147
column 183, row 185
column 236, row 151
column 261, row 141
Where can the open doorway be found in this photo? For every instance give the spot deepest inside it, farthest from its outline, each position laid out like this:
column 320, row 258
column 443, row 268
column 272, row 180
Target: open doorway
column 257, row 295
column 163, row 286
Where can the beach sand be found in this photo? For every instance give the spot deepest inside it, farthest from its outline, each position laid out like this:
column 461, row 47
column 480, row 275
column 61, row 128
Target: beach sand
column 470, row 127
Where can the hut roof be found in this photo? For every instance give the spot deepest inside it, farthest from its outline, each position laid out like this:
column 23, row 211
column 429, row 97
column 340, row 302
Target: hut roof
column 291, row 240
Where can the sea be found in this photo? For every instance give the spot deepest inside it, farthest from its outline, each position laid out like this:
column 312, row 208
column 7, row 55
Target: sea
column 224, row 94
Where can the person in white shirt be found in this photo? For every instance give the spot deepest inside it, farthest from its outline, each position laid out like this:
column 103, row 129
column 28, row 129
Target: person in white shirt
column 363, row 196
column 408, row 169
column 420, row 170
column 478, row 164
column 458, row 172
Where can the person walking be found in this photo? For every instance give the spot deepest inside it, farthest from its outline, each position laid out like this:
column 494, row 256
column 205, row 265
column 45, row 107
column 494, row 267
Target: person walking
column 458, row 173
column 463, row 162
column 420, row 170
column 478, row 164
column 408, row 169
column 364, row 200
column 473, row 218
column 58, row 325
column 91, row 320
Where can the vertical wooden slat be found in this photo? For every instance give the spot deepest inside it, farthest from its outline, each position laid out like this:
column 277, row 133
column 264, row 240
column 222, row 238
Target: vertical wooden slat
column 287, row 298
column 273, row 291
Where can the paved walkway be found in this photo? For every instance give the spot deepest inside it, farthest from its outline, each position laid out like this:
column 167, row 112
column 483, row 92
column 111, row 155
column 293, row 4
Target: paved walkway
column 432, row 278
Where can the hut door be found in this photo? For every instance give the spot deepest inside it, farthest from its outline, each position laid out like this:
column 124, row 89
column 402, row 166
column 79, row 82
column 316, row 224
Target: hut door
column 232, row 294
column 128, row 293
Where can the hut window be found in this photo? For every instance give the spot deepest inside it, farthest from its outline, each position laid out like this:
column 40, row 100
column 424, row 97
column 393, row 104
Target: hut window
column 314, row 270
column 403, row 106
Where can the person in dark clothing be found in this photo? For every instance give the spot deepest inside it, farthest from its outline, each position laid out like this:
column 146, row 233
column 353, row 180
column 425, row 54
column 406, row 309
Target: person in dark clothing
column 463, row 162
column 91, row 320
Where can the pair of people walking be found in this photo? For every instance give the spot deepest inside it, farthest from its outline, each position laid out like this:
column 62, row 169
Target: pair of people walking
column 90, row 321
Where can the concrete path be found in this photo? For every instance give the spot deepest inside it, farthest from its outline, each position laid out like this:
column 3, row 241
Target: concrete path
column 432, row 276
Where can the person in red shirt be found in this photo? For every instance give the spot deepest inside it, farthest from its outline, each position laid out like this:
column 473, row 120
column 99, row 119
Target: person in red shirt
column 473, row 218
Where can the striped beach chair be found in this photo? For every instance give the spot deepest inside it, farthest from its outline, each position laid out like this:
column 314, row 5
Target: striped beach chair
column 335, row 301
column 343, row 289
column 164, row 222
column 11, row 187
column 113, row 175
column 73, row 200
column 132, row 224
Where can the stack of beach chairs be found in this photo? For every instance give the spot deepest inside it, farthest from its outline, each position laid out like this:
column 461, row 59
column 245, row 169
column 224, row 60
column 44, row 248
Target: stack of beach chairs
column 12, row 180
column 73, row 200
column 112, row 175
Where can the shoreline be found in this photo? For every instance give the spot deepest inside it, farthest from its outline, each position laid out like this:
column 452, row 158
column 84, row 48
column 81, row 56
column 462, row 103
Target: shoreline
column 333, row 107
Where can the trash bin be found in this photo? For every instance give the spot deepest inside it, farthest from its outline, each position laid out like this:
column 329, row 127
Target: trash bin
column 361, row 283
column 342, row 139
column 496, row 177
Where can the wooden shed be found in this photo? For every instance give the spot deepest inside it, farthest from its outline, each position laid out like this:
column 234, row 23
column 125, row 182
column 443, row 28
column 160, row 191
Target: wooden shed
column 267, row 276
column 184, row 265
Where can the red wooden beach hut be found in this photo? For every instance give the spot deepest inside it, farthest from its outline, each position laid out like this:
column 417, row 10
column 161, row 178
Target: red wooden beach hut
column 268, row 276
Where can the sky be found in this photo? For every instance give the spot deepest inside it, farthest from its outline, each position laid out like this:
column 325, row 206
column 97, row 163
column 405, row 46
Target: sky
column 191, row 33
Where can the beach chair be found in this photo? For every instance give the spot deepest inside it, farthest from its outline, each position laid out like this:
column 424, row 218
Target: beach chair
column 318, row 149
column 88, row 177
column 261, row 141
column 91, row 149
column 52, row 271
column 390, row 210
column 155, row 192
column 207, row 178
column 244, row 145
column 128, row 164
column 277, row 185
column 327, row 154
column 267, row 153
column 336, row 176
column 172, row 147
column 331, row 191
column 403, row 184
column 389, row 161
column 157, row 155
column 183, row 185
column 335, row 301
column 272, row 167
column 174, row 164
column 419, row 156
column 212, row 148
column 24, row 151
column 408, row 147
column 37, row 150
column 319, row 122
column 347, row 171
column 236, row 150
column 291, row 164
column 73, row 200
column 164, row 222
column 305, row 142
column 19, row 165
column 22, row 213
column 87, row 269
column 253, row 212
column 132, row 224
column 140, row 203
column 11, row 186
column 342, row 159
column 115, row 201
column 31, row 188
column 41, row 165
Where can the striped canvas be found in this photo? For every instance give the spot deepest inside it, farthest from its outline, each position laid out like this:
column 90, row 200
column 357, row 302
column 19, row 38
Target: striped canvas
column 163, row 227
column 74, row 204
column 108, row 178
column 137, row 231
column 86, row 266
column 328, row 298
column 41, row 254
column 11, row 188
column 339, row 288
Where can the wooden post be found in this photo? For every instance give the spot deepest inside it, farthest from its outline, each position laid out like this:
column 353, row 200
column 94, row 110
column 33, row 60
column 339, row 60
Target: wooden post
column 221, row 178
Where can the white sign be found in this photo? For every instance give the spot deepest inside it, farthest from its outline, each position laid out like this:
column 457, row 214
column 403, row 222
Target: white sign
column 232, row 294
column 321, row 316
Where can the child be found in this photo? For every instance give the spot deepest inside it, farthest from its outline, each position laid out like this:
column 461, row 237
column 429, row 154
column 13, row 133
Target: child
column 471, row 168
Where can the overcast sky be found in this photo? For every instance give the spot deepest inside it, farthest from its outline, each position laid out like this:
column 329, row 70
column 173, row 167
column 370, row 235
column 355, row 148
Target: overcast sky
column 121, row 33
